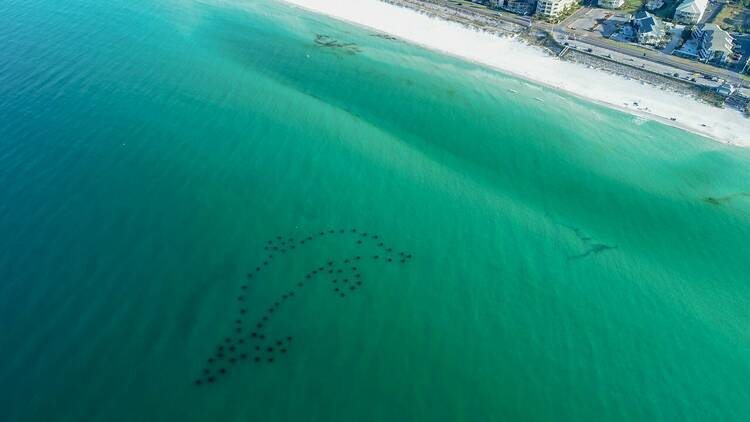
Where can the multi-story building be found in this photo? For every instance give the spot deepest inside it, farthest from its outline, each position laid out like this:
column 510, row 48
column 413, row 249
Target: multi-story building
column 649, row 29
column 690, row 12
column 553, row 8
column 522, row 7
column 611, row 4
column 654, row 4
column 714, row 44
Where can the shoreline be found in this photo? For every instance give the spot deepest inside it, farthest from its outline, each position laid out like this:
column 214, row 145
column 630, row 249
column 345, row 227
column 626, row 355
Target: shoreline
column 529, row 62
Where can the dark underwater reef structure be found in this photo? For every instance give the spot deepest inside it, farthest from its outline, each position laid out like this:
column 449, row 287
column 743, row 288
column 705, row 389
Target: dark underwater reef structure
column 591, row 245
column 329, row 42
column 384, row 36
column 725, row 199
column 250, row 340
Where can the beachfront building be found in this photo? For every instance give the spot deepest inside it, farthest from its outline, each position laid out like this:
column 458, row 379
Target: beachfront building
column 714, row 44
column 654, row 4
column 522, row 7
column 649, row 29
column 553, row 8
column 690, row 12
column 611, row 4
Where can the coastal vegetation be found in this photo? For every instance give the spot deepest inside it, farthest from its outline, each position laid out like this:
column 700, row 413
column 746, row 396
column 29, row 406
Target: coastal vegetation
column 687, row 34
column 735, row 17
column 542, row 39
column 710, row 96
column 666, row 12
column 631, row 6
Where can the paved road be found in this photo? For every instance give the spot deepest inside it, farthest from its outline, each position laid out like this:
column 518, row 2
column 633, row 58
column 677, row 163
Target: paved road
column 560, row 32
column 656, row 56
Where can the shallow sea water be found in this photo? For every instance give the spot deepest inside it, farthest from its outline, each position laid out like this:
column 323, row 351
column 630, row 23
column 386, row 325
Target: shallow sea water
column 567, row 263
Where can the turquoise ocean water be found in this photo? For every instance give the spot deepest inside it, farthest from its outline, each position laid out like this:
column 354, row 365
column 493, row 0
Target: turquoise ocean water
column 569, row 262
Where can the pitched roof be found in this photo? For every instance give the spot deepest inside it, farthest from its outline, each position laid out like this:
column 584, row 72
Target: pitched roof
column 697, row 6
column 646, row 23
column 716, row 39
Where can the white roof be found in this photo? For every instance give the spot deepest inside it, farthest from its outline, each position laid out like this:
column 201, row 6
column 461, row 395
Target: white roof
column 698, row 6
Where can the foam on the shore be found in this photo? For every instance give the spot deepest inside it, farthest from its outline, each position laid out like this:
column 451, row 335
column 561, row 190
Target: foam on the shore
column 515, row 57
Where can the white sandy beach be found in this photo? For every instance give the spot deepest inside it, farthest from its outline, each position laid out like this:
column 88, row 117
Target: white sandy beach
column 529, row 62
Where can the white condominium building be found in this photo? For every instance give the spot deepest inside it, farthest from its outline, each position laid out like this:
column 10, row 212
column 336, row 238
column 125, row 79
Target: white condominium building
column 715, row 44
column 690, row 12
column 553, row 8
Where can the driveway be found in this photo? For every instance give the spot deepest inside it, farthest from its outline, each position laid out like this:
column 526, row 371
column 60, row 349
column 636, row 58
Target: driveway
column 676, row 34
